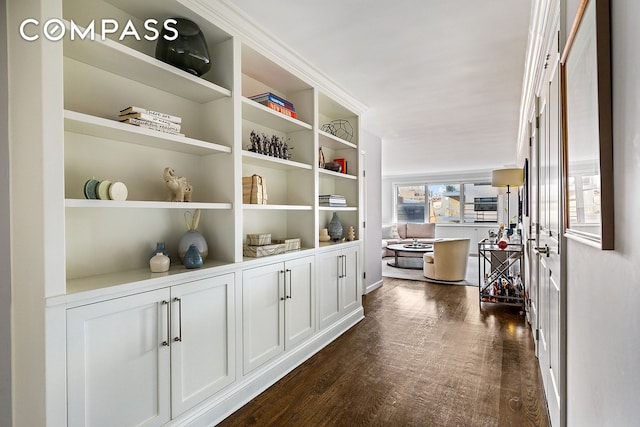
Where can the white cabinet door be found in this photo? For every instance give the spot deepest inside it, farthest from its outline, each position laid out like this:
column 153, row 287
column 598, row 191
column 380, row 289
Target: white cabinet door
column 328, row 267
column 118, row 362
column 299, row 300
column 350, row 280
column 263, row 298
column 202, row 340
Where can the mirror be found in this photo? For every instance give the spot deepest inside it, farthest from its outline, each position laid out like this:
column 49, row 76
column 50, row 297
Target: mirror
column 586, row 125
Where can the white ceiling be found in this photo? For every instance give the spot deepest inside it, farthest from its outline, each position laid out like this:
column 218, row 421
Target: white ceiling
column 442, row 78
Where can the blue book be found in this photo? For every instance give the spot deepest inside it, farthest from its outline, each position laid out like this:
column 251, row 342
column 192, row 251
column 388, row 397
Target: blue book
column 273, row 98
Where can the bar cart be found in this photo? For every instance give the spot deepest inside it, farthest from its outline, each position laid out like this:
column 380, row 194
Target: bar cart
column 500, row 274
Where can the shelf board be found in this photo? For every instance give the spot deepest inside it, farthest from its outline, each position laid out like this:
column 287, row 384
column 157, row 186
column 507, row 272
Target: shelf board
column 110, row 129
column 333, row 142
column 141, row 204
column 247, row 206
column 338, row 208
column 272, row 162
column 116, row 58
column 138, row 277
column 260, row 114
column 337, row 174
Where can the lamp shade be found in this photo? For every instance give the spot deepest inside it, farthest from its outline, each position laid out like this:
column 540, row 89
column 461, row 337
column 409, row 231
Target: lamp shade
column 512, row 177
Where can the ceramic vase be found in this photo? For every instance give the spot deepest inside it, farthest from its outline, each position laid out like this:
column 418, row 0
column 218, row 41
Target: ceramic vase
column 159, row 263
column 335, row 228
column 188, row 51
column 192, row 259
column 160, row 247
column 189, row 238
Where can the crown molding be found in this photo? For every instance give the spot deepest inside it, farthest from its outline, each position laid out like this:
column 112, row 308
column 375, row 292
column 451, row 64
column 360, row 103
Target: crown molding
column 237, row 23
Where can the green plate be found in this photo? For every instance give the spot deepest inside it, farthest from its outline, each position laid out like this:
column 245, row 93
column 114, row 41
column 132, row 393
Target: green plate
column 90, row 188
column 103, row 190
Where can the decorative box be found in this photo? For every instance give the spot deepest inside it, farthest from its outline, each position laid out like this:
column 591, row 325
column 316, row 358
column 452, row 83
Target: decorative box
column 265, row 250
column 289, row 244
column 259, row 239
column 254, row 190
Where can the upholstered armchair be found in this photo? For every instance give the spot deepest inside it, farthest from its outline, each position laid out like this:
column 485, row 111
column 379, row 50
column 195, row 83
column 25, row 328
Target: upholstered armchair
column 448, row 262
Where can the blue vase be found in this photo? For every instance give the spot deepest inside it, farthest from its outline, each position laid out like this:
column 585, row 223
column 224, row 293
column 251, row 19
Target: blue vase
column 160, row 247
column 335, row 228
column 192, row 259
column 189, row 238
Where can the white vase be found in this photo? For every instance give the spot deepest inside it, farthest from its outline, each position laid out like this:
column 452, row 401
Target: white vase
column 159, row 263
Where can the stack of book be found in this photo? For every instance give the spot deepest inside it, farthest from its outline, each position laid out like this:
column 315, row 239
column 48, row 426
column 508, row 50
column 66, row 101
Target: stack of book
column 333, row 200
column 150, row 119
column 275, row 103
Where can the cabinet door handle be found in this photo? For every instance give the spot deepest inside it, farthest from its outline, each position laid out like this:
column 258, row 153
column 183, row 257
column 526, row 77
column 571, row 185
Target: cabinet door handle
column 344, row 257
column 343, row 267
column 284, row 285
column 166, row 342
column 179, row 337
column 288, row 270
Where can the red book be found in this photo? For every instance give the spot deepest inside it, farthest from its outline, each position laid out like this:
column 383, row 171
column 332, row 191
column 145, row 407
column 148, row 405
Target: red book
column 342, row 162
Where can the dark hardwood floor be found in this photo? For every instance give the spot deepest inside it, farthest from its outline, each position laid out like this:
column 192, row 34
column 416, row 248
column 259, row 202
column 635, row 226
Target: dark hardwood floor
column 425, row 355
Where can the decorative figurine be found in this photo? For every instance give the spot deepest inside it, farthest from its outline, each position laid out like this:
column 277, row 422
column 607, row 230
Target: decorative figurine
column 179, row 187
column 351, row 234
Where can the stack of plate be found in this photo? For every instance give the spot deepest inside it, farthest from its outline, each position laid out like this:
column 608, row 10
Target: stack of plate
column 105, row 190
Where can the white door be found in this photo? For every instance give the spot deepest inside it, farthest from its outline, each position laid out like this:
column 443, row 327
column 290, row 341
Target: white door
column 118, row 362
column 299, row 301
column 550, row 301
column 263, row 297
column 328, row 268
column 203, row 340
column 350, row 292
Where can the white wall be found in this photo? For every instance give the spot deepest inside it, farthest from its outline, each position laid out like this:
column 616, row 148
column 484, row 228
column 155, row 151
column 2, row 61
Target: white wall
column 373, row 147
column 603, row 287
column 5, row 229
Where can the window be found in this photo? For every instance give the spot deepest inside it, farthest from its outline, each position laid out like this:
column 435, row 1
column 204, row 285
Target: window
column 446, row 203
column 410, row 203
column 480, row 203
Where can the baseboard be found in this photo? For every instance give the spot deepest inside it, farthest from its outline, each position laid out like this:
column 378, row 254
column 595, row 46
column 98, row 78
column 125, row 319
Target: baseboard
column 241, row 392
column 373, row 286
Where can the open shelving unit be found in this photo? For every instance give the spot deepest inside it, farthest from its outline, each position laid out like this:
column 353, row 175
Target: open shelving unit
column 217, row 119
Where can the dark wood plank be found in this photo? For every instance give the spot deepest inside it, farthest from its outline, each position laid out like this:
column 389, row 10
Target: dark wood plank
column 425, row 355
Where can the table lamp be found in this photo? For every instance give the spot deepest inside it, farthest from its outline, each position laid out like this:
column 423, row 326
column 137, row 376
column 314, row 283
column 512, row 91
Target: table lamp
column 507, row 178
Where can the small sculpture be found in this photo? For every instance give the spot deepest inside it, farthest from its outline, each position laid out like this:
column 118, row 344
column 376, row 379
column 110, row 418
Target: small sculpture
column 179, row 187
column 351, row 234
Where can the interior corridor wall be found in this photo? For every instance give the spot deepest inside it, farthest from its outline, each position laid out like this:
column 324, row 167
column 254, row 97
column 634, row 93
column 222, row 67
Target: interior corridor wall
column 603, row 287
column 372, row 145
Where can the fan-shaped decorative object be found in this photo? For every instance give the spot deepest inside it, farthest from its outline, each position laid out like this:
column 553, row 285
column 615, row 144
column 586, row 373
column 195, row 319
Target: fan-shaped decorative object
column 343, row 129
column 340, row 128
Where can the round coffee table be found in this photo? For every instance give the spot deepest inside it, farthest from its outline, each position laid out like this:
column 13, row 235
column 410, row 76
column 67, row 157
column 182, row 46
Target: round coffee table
column 402, row 255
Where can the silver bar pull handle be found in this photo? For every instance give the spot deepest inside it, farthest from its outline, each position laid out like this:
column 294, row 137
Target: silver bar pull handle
column 168, row 340
column 288, row 270
column 179, row 337
column 284, row 285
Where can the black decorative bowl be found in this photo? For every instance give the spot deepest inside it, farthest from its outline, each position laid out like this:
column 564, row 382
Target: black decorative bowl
column 188, row 51
column 333, row 166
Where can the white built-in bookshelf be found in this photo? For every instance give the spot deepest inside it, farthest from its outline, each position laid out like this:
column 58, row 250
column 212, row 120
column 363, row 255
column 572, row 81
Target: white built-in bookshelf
column 102, row 77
